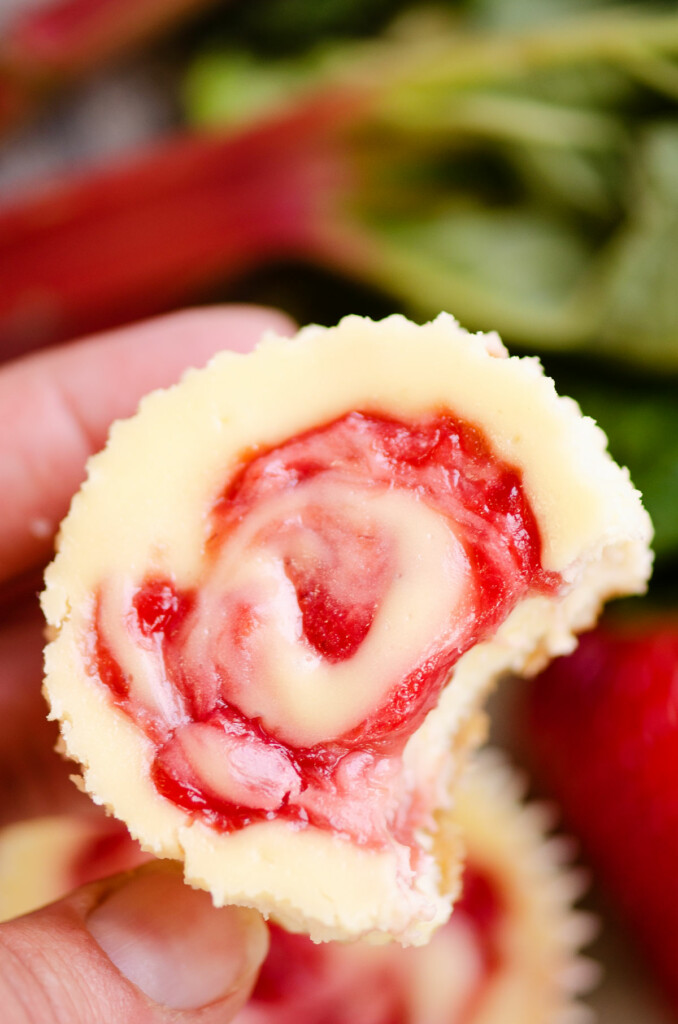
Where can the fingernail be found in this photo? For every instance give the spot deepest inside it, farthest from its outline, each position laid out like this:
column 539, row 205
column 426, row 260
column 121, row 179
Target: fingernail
column 172, row 943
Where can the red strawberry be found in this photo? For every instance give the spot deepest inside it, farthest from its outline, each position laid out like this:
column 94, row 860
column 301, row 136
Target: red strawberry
column 604, row 726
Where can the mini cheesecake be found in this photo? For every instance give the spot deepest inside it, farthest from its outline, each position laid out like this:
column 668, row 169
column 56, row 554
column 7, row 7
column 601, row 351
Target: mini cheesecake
column 508, row 955
column 43, row 859
column 286, row 587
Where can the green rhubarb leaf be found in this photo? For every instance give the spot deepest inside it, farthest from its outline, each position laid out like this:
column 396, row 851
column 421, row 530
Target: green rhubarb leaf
column 226, row 88
column 580, row 182
column 516, row 270
column 580, row 260
column 518, row 14
column 638, row 274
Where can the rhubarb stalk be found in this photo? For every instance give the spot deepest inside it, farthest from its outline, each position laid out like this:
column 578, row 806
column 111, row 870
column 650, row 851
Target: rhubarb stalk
column 145, row 236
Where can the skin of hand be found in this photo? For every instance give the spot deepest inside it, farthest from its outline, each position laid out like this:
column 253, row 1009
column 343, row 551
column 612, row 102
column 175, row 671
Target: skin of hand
column 141, row 947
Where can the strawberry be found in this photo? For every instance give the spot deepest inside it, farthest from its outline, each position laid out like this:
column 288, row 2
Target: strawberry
column 604, row 728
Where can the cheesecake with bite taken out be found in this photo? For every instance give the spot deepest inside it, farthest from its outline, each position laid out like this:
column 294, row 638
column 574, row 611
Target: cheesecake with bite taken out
column 509, row 954
column 286, row 587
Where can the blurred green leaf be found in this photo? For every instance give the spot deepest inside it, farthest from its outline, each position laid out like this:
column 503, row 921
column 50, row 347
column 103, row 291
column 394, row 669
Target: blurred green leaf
column 639, row 272
column 517, row 14
column 516, row 269
column 574, row 244
column 580, row 182
column 229, row 88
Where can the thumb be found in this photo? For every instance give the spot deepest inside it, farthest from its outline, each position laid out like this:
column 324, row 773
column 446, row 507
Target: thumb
column 141, row 948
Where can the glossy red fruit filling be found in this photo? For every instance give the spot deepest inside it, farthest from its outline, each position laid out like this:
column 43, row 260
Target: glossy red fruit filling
column 344, row 572
column 359, row 984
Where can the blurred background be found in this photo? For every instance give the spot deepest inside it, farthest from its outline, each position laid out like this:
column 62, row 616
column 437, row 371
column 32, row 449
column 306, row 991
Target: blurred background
column 512, row 161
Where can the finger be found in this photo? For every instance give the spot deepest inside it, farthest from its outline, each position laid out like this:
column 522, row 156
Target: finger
column 140, row 947
column 56, row 408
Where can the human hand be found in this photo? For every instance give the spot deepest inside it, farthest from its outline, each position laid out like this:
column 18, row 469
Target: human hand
column 141, row 948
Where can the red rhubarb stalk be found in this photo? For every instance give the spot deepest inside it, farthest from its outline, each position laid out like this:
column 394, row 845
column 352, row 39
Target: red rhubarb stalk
column 143, row 237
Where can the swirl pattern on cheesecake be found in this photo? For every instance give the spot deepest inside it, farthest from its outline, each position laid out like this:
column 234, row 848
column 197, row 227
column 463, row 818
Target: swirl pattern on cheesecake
column 344, row 573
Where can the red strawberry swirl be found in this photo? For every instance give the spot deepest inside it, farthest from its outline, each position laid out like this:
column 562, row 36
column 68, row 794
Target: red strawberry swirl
column 344, row 573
